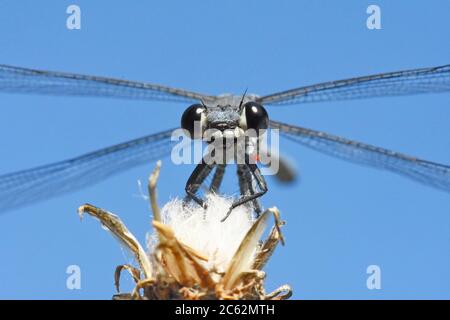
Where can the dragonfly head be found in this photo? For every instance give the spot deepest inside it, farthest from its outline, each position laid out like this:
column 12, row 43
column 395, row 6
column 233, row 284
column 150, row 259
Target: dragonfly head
column 228, row 116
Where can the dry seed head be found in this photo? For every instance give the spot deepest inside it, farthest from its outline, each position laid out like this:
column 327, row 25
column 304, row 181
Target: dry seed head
column 202, row 230
column 192, row 255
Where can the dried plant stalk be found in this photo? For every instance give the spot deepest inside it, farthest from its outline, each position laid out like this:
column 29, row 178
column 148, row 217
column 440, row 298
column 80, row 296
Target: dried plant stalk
column 120, row 231
column 176, row 270
column 152, row 192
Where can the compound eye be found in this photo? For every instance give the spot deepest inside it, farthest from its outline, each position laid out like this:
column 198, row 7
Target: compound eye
column 256, row 116
column 192, row 119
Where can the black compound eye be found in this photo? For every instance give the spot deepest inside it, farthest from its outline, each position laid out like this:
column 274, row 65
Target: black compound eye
column 191, row 116
column 256, row 116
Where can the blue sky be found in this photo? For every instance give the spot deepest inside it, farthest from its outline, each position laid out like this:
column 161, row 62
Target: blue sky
column 340, row 217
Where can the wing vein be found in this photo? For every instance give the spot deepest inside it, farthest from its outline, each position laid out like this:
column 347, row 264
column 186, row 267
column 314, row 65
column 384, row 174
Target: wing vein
column 43, row 182
column 417, row 81
column 423, row 171
column 23, row 80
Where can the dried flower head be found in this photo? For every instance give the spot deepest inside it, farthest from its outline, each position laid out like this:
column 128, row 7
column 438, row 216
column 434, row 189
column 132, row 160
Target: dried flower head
column 193, row 255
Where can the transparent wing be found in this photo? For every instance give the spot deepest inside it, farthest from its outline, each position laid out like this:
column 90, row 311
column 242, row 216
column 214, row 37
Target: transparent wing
column 427, row 172
column 425, row 80
column 40, row 183
column 22, row 80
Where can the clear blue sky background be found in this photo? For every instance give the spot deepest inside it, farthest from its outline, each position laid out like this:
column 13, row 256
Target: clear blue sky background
column 340, row 217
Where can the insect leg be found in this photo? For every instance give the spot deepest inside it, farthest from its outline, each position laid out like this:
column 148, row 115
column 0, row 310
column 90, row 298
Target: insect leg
column 246, row 186
column 217, row 178
column 246, row 198
column 201, row 171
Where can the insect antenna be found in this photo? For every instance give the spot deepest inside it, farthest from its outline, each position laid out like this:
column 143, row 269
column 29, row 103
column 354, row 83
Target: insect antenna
column 242, row 100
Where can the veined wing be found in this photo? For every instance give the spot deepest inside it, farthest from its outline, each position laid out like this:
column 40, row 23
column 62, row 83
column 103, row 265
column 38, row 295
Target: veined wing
column 22, row 80
column 427, row 172
column 425, row 80
column 40, row 183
